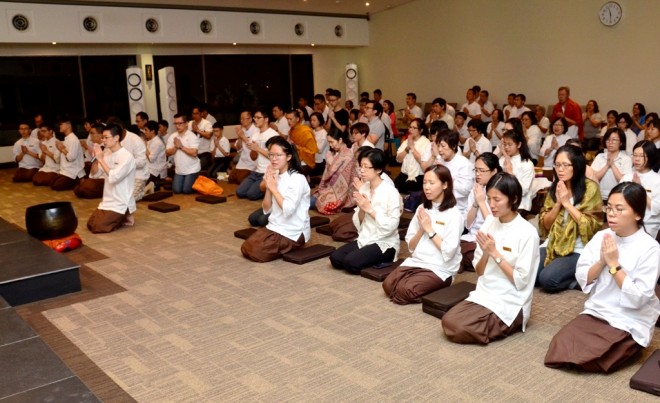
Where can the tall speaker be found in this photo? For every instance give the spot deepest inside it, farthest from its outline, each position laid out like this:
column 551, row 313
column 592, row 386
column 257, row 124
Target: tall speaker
column 351, row 75
column 168, row 106
column 135, row 91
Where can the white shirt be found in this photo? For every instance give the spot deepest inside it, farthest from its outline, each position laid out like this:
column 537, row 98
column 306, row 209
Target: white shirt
column 283, row 126
column 417, row 111
column 445, row 118
column 448, row 225
column 157, row 161
column 544, row 123
column 483, row 146
column 474, row 109
column 494, row 140
column 524, row 172
column 244, row 161
column 51, row 164
column 462, row 173
column 534, row 140
column 321, row 137
column 261, row 138
column 633, row 308
column 549, row 160
column 451, row 111
column 28, row 161
column 211, row 119
column 631, row 140
column 410, row 166
column 135, row 145
column 35, row 133
column 223, row 144
column 72, row 164
column 292, row 219
column 517, row 112
column 382, row 230
column 462, row 132
column 518, row 243
column 608, row 181
column 119, row 182
column 184, row 164
column 489, row 107
column 471, row 236
column 204, row 143
column 651, row 183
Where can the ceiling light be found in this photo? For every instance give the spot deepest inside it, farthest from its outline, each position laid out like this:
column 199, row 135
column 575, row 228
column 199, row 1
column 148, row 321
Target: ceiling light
column 313, row 44
column 366, row 4
column 54, row 43
column 234, row 43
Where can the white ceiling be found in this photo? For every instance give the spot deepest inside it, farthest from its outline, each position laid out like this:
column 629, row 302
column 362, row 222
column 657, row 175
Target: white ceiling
column 344, row 7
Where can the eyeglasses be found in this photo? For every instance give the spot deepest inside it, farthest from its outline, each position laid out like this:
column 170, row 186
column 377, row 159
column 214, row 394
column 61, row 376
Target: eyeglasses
column 179, row 123
column 365, row 167
column 612, row 140
column 558, row 125
column 639, row 155
column 615, row 211
column 258, row 117
column 562, row 165
column 481, row 171
column 508, row 145
column 273, row 155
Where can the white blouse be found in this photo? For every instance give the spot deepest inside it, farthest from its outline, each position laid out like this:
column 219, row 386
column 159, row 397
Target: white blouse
column 382, row 230
column 448, row 225
column 608, row 181
column 51, row 164
column 184, row 164
column 651, row 183
column 471, row 236
column 292, row 219
column 462, row 173
column 119, row 182
column 518, row 243
column 410, row 166
column 547, row 145
column 634, row 307
column 524, row 172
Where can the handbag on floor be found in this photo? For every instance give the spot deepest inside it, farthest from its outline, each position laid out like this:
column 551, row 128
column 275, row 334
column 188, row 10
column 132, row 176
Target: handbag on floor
column 207, row 186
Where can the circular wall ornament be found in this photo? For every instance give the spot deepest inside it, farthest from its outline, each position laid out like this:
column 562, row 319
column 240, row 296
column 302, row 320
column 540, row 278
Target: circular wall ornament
column 299, row 29
column 135, row 94
column 339, row 31
column 20, row 22
column 151, row 25
column 255, row 28
column 351, row 74
column 134, row 80
column 90, row 24
column 206, row 27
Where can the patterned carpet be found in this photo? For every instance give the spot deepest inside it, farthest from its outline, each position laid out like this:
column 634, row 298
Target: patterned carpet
column 197, row 322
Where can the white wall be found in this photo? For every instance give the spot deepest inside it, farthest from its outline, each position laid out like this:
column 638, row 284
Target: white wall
column 440, row 48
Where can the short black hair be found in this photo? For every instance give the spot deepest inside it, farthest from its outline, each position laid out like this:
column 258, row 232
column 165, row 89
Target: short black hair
column 115, row 130
column 164, row 123
column 377, row 158
column 152, row 125
column 218, row 125
column 509, row 186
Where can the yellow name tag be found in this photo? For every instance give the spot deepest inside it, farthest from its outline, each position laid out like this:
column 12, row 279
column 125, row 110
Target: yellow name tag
column 440, row 223
column 648, row 190
column 507, row 249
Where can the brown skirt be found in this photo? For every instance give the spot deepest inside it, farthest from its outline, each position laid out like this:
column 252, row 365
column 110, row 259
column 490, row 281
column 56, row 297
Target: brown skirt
column 266, row 245
column 103, row 221
column 89, row 188
column 63, row 182
column 406, row 285
column 42, row 178
column 469, row 323
column 592, row 345
column 238, row 175
column 24, row 174
column 467, row 251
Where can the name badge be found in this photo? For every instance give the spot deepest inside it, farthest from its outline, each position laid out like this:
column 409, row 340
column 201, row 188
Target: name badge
column 506, row 249
column 648, row 190
column 440, row 223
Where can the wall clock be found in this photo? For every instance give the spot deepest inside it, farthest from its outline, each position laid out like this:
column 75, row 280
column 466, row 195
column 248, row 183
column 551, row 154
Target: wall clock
column 610, row 13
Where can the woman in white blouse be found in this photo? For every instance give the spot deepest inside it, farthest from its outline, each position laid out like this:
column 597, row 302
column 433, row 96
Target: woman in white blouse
column 506, row 261
column 645, row 156
column 619, row 317
column 610, row 165
column 517, row 161
column 495, row 128
column 413, row 152
column 551, row 144
column 376, row 218
column 433, row 238
column 592, row 120
column 286, row 200
column 532, row 134
column 316, row 122
column 624, row 122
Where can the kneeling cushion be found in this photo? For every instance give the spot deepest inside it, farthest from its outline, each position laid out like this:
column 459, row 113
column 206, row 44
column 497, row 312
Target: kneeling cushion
column 647, row 378
column 308, row 254
column 378, row 273
column 324, row 229
column 211, row 199
column 158, row 196
column 439, row 302
column 164, row 207
column 245, row 233
column 318, row 220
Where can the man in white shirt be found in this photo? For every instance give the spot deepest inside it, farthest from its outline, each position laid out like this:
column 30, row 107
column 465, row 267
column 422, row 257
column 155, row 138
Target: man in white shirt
column 26, row 154
column 280, row 124
column 141, row 119
column 49, row 155
column 38, row 121
column 156, row 157
column 471, row 108
column 204, row 130
column 439, row 112
column 206, row 115
column 511, row 100
column 91, row 188
column 487, row 109
column 117, row 165
column 134, row 144
column 183, row 145
column 321, row 106
column 411, row 111
column 251, row 188
column 72, row 163
column 378, row 96
column 518, row 106
column 244, row 164
column 372, row 111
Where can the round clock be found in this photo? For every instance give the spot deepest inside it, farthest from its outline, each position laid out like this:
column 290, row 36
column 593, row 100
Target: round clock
column 351, row 74
column 610, row 13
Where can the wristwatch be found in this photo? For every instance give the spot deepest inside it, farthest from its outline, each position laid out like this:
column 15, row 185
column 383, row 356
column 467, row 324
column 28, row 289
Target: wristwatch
column 431, row 234
column 615, row 269
column 498, row 260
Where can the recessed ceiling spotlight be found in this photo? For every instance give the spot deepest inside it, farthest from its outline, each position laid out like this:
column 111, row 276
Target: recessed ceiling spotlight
column 366, row 4
column 54, row 43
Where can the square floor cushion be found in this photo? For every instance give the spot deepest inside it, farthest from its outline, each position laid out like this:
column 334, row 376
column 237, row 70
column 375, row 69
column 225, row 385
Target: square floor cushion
column 439, row 302
column 324, row 230
column 308, row 254
column 208, row 199
column 379, row 273
column 158, row 196
column 164, row 207
column 245, row 233
column 316, row 221
column 647, row 378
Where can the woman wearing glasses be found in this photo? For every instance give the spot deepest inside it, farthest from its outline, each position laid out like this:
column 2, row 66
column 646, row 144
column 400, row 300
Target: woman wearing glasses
column 286, row 199
column 571, row 215
column 610, row 166
column 376, row 218
column 645, row 156
column 620, row 315
column 552, row 144
column 413, row 151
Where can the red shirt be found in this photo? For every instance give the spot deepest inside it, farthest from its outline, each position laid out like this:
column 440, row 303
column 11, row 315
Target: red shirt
column 572, row 111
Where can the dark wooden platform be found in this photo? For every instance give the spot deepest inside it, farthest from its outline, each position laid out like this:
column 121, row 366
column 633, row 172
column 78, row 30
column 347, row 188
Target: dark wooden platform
column 30, row 270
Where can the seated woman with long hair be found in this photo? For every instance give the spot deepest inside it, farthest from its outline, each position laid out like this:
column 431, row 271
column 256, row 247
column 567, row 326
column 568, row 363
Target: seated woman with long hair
column 613, row 163
column 506, row 260
column 335, row 190
column 433, row 238
column 572, row 213
column 619, row 269
column 413, row 152
column 516, row 160
column 286, row 200
column 645, row 156
column 376, row 218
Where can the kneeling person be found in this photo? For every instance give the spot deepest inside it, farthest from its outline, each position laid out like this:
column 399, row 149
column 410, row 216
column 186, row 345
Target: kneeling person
column 118, row 166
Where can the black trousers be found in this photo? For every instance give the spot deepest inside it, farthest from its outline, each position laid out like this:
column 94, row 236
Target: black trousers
column 353, row 259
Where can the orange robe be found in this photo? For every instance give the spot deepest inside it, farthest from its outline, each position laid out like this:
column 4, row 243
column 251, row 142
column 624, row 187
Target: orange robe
column 303, row 137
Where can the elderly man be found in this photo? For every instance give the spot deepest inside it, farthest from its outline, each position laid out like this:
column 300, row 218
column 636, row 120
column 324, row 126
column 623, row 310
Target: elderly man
column 570, row 110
